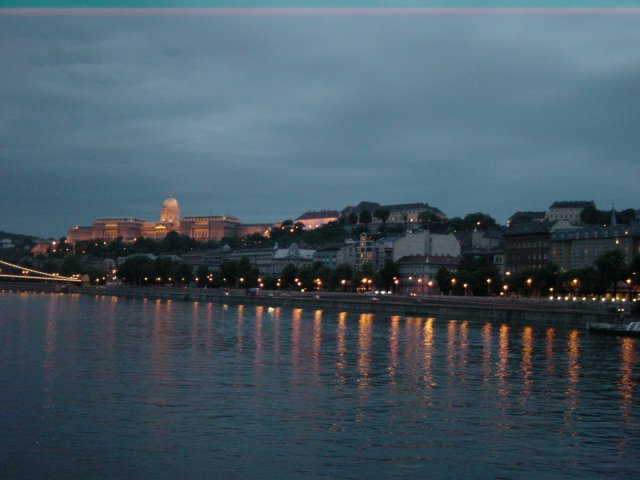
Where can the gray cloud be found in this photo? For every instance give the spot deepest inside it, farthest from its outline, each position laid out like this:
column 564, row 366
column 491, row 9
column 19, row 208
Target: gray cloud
column 265, row 117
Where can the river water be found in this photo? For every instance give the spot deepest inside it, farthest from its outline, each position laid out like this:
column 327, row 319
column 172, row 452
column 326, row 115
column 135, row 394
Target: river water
column 104, row 387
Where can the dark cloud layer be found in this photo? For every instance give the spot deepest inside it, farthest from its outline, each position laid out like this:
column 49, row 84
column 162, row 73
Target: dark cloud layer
column 266, row 117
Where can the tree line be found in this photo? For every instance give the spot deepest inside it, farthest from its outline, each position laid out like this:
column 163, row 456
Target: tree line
column 609, row 274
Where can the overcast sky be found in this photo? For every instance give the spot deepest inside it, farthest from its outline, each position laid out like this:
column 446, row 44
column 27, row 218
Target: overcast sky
column 265, row 117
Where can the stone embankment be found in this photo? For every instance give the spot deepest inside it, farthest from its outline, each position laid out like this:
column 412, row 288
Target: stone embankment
column 453, row 307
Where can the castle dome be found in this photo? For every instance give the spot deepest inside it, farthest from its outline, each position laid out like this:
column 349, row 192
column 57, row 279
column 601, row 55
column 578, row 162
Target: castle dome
column 170, row 202
column 170, row 211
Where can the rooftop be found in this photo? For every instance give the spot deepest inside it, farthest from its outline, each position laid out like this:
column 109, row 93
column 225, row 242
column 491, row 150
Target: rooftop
column 445, row 260
column 572, row 204
column 534, row 228
column 313, row 214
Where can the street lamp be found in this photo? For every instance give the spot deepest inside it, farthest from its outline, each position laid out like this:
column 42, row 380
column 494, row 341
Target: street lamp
column 529, row 282
column 574, row 284
column 488, row 286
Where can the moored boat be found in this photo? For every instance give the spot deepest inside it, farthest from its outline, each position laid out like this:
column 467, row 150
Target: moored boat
column 629, row 329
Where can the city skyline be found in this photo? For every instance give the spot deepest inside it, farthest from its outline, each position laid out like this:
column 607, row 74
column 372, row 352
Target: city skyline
column 265, row 118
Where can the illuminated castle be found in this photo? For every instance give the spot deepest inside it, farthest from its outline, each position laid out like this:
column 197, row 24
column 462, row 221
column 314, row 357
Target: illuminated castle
column 201, row 228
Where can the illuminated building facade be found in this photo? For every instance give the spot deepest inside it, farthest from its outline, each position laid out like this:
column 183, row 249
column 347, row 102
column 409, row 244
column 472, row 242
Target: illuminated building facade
column 580, row 248
column 313, row 219
column 108, row 229
column 200, row 228
column 207, row 228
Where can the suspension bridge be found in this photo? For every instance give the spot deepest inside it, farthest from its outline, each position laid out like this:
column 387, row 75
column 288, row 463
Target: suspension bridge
column 12, row 272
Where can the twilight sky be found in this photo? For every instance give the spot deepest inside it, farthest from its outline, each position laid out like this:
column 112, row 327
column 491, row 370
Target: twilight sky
column 267, row 116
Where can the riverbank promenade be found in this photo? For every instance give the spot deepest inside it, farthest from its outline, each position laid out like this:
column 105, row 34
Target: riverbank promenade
column 578, row 312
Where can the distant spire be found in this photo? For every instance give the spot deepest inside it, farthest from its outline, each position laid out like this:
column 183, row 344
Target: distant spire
column 613, row 222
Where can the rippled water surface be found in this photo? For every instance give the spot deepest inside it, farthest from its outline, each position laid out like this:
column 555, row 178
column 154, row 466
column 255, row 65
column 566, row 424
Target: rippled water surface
column 112, row 388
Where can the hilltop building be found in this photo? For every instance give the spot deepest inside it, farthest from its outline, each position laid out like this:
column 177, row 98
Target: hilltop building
column 201, row 228
column 398, row 213
column 568, row 211
column 313, row 219
column 526, row 217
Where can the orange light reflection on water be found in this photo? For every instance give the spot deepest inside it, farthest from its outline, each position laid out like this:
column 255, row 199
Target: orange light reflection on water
column 487, row 341
column 162, row 334
column 316, row 342
column 573, row 371
column 296, row 315
column 428, row 353
column 195, row 326
column 275, row 316
column 394, row 331
column 258, row 340
column 364, row 349
column 451, row 346
column 526, row 366
column 503, row 361
column 239, row 326
column 209, row 338
column 341, row 341
column 626, row 382
column 550, row 336
column 463, row 350
column 413, row 348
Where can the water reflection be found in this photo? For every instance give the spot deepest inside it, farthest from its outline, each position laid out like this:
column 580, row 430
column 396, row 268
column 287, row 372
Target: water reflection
column 316, row 343
column 526, row 367
column 428, row 352
column 573, row 371
column 364, row 349
column 107, row 323
column 388, row 394
column 394, row 332
column 451, row 345
column 626, row 382
column 464, row 348
column 258, row 340
column 550, row 337
column 341, row 347
column 239, row 328
column 503, row 362
column 163, row 335
column 51, row 333
column 275, row 314
column 209, row 335
column 457, row 349
column 487, row 338
column 195, row 327
column 413, row 345
column 296, row 315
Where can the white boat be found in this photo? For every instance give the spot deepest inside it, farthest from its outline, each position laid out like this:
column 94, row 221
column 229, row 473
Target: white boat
column 629, row 329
